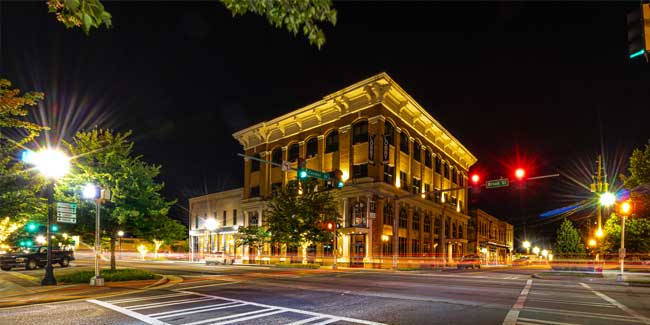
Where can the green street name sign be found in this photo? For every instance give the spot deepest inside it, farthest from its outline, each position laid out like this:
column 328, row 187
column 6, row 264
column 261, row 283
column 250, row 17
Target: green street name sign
column 317, row 174
column 494, row 183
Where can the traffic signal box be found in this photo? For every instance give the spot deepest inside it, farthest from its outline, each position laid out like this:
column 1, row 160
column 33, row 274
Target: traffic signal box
column 638, row 31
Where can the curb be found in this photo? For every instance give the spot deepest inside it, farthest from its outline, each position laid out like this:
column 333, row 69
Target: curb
column 166, row 282
column 609, row 283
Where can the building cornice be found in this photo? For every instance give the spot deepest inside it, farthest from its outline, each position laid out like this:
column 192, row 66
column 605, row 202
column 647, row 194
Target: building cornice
column 378, row 89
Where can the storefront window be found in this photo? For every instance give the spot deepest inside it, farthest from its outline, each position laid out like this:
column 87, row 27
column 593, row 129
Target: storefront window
column 357, row 213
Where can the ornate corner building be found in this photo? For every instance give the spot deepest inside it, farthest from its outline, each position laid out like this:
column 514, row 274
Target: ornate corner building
column 397, row 162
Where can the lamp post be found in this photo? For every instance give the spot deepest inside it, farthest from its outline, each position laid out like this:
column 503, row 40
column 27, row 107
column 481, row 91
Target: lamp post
column 536, row 250
column 120, row 234
column 53, row 164
column 624, row 211
column 90, row 191
column 526, row 245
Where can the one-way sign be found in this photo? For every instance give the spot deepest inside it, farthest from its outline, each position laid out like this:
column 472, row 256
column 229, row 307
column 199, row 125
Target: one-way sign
column 66, row 212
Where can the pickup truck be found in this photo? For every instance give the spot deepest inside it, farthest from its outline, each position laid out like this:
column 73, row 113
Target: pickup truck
column 33, row 257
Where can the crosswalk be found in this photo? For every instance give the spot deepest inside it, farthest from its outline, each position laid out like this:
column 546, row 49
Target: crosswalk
column 193, row 308
column 578, row 304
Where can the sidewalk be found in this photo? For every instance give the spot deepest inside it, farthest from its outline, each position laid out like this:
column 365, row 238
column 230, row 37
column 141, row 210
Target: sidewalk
column 606, row 278
column 18, row 289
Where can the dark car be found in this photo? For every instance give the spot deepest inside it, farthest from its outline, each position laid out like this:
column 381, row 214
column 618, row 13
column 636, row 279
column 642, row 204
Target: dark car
column 33, row 257
column 467, row 261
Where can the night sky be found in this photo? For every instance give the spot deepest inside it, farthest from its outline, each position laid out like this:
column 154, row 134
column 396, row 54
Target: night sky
column 546, row 86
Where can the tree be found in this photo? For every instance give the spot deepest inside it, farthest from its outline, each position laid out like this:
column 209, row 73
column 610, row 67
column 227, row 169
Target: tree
column 293, row 15
column 106, row 159
column 19, row 188
column 568, row 241
column 637, row 232
column 298, row 220
column 252, row 236
column 160, row 230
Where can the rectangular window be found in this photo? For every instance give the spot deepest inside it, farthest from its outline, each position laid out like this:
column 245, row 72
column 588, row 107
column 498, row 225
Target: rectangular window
column 402, row 180
column 294, row 152
column 224, row 218
column 427, row 158
column 426, row 247
column 446, row 167
column 196, row 222
column 389, row 172
column 253, row 218
column 415, row 246
column 416, row 185
column 427, row 224
column 438, row 196
column 255, row 191
column 402, row 246
column 389, row 132
column 403, row 219
column 276, row 156
column 415, row 223
column 427, row 189
column 416, row 152
column 360, row 171
column 234, row 217
column 387, row 246
column 388, row 213
column 255, row 164
column 360, row 133
column 332, row 142
column 438, row 164
column 312, row 148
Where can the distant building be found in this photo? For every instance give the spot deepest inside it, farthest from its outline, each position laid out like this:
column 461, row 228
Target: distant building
column 388, row 146
column 491, row 238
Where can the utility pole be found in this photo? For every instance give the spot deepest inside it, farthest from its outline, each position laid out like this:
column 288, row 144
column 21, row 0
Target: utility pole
column 599, row 185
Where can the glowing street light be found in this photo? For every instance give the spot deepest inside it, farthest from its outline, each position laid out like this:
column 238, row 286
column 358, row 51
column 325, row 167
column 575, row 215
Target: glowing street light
column 536, row 250
column 544, row 253
column 526, row 245
column 599, row 232
column 40, row 239
column 592, row 243
column 624, row 210
column 607, row 199
column 53, row 164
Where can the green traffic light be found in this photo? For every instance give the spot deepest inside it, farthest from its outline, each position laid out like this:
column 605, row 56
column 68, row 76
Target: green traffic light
column 635, row 54
column 302, row 174
column 340, row 184
column 29, row 243
column 32, row 226
column 55, row 228
column 21, row 244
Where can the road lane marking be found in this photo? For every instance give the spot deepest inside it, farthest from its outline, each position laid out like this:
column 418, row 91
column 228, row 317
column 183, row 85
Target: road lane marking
column 168, row 303
column 594, row 304
column 620, row 318
column 212, row 308
column 297, row 311
column 121, row 301
column 132, row 314
column 513, row 314
column 541, row 321
column 251, row 317
column 203, row 321
column 188, row 309
column 306, row 320
column 612, row 301
column 210, row 285
column 327, row 321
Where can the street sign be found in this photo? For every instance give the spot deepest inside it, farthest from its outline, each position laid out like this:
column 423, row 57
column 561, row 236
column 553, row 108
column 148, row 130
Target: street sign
column 494, row 183
column 317, row 174
column 286, row 166
column 66, row 212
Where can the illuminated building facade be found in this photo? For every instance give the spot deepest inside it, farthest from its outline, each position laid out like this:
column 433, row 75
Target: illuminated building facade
column 388, row 148
column 491, row 238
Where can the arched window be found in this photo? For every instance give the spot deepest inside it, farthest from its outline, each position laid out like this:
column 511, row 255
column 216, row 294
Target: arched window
column 389, row 133
column 404, row 143
column 416, row 151
column 294, row 152
column 312, row 147
column 276, row 155
column 360, row 132
column 332, row 142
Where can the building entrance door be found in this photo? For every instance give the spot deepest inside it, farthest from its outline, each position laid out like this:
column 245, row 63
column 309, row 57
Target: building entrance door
column 357, row 250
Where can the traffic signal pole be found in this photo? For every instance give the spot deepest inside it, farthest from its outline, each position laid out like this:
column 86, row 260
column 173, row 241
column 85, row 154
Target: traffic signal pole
column 49, row 278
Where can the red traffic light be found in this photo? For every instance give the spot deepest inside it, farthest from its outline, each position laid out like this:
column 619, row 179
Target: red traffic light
column 475, row 178
column 520, row 173
column 330, row 226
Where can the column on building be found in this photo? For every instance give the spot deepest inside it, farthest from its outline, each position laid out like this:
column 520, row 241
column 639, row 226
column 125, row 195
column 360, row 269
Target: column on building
column 345, row 159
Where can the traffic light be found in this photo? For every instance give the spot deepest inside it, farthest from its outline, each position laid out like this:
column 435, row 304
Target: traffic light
column 302, row 168
column 520, row 173
column 476, row 187
column 32, row 226
column 330, row 226
column 336, row 179
column 625, row 208
column 54, row 228
column 638, row 31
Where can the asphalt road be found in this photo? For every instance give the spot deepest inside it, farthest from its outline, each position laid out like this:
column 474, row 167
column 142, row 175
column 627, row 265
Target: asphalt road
column 257, row 295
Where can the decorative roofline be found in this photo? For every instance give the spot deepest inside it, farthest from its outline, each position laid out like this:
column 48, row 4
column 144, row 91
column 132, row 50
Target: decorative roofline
column 378, row 89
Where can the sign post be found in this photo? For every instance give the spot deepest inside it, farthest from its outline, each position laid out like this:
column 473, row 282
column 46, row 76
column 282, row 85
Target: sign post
column 66, row 212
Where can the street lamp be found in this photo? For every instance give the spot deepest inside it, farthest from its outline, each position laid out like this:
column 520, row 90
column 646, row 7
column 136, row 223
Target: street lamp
column 120, row 234
column 592, row 243
column 544, row 253
column 624, row 210
column 526, row 245
column 92, row 192
column 607, row 199
column 53, row 164
column 536, row 250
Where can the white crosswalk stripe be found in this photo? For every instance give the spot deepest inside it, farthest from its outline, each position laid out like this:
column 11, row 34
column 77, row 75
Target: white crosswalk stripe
column 223, row 311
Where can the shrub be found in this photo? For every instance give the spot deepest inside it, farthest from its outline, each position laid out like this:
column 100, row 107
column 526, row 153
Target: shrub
column 109, row 276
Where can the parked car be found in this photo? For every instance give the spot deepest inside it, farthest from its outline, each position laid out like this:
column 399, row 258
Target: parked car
column 467, row 261
column 33, row 257
column 524, row 260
